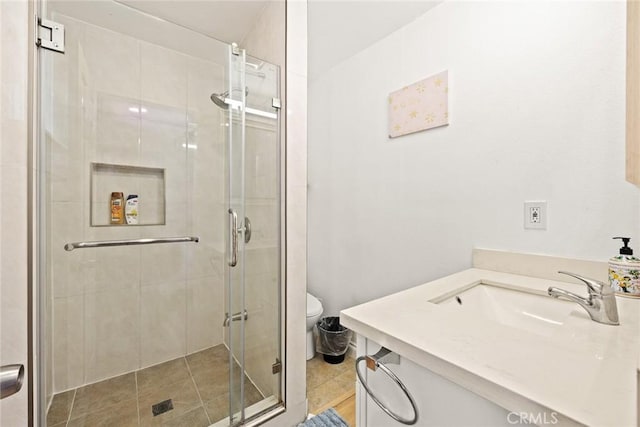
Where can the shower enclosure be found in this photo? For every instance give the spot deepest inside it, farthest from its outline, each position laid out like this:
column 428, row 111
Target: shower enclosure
column 171, row 316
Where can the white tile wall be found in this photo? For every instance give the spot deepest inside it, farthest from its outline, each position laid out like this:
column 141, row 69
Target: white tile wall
column 162, row 263
column 130, row 102
column 117, row 131
column 165, row 77
column 68, row 343
column 106, row 269
column 67, row 268
column 163, row 322
column 112, row 62
column 204, row 325
column 111, row 333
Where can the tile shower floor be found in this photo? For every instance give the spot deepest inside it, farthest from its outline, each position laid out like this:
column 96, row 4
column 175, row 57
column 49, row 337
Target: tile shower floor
column 196, row 384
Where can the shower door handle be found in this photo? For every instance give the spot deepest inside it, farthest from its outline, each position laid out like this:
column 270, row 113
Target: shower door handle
column 233, row 229
column 246, row 228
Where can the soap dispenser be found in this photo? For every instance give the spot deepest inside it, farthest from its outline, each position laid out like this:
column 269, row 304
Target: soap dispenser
column 624, row 271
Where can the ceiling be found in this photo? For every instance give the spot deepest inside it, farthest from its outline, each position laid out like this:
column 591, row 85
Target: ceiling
column 225, row 20
column 339, row 29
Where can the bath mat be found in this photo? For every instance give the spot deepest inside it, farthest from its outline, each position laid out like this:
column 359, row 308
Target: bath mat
column 328, row 418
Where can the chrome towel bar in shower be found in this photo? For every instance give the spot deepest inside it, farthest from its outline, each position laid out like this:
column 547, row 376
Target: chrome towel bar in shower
column 107, row 243
column 376, row 361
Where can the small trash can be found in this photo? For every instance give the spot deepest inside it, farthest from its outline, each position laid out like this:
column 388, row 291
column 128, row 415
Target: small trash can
column 332, row 339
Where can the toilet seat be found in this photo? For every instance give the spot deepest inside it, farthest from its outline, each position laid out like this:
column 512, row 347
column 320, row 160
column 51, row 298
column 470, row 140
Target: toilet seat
column 314, row 307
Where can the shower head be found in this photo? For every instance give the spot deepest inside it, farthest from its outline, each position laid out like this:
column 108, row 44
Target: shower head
column 219, row 98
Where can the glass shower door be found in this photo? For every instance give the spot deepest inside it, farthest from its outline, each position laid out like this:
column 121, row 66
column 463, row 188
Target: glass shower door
column 238, row 232
column 253, row 271
column 262, row 353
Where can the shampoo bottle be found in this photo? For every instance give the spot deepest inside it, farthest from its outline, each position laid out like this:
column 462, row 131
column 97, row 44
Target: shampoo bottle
column 131, row 209
column 117, row 208
column 624, row 271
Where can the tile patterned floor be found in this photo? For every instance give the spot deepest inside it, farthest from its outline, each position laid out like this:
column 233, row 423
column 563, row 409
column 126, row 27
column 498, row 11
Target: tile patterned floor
column 328, row 385
column 197, row 385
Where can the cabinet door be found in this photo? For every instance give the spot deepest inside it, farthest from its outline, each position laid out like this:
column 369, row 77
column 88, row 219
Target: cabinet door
column 440, row 402
column 633, row 92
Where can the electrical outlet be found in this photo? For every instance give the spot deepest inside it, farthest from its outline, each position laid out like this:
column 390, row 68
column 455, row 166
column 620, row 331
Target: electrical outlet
column 535, row 215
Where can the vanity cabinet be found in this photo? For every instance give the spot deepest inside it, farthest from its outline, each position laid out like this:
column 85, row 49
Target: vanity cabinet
column 440, row 402
column 471, row 368
column 633, row 93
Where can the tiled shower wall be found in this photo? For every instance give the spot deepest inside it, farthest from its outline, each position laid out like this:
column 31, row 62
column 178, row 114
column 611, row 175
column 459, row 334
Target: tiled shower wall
column 120, row 100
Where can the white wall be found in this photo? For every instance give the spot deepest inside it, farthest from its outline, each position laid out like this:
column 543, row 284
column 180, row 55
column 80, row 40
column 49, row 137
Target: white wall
column 331, row 22
column 14, row 125
column 536, row 103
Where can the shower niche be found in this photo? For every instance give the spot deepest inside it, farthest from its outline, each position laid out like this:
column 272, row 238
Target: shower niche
column 146, row 182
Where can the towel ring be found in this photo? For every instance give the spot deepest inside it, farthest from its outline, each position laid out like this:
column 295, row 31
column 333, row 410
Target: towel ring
column 374, row 362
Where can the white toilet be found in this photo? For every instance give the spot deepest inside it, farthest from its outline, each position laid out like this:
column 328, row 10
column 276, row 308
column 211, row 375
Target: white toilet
column 314, row 311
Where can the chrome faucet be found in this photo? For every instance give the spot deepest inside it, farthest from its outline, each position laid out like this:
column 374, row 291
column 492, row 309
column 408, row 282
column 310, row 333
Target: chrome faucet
column 241, row 315
column 600, row 304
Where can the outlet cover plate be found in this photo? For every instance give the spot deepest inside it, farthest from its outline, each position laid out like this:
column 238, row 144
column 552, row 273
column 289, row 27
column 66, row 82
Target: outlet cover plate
column 535, row 215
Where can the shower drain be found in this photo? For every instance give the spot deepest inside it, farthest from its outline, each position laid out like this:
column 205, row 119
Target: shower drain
column 162, row 407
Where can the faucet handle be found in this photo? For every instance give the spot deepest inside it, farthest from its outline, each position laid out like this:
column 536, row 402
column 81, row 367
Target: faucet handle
column 595, row 286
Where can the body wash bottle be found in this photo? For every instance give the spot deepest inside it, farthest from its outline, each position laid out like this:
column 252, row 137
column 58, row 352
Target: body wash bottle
column 117, row 208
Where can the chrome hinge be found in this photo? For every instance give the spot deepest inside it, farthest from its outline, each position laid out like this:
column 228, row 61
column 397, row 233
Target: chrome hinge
column 276, row 368
column 50, row 35
column 235, row 49
column 275, row 103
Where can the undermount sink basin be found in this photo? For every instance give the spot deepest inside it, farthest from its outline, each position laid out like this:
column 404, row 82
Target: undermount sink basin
column 539, row 314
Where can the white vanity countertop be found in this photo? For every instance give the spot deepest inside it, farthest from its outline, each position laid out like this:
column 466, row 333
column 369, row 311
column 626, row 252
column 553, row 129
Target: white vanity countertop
column 585, row 372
